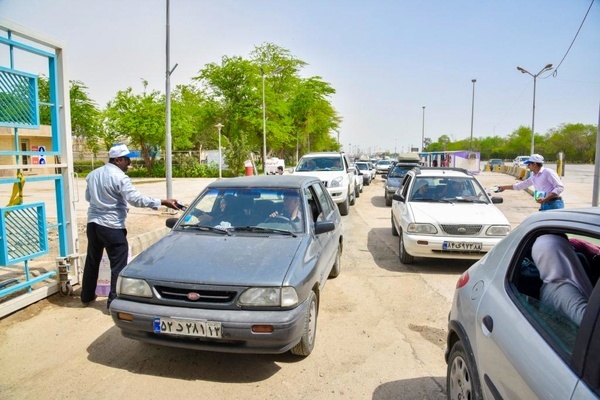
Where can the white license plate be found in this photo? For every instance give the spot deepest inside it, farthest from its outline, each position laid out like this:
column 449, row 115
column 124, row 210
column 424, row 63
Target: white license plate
column 462, row 246
column 187, row 327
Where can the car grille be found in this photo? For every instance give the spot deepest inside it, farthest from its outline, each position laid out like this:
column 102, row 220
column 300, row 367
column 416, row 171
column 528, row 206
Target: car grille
column 462, row 230
column 206, row 296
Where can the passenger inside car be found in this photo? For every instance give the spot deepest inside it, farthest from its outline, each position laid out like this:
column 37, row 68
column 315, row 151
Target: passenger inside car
column 566, row 286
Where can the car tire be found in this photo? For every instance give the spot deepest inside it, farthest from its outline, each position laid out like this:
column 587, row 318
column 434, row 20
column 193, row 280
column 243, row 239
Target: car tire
column 388, row 200
column 309, row 332
column 356, row 192
column 405, row 258
column 337, row 265
column 462, row 381
column 361, row 188
column 344, row 207
column 368, row 182
column 394, row 230
column 353, row 198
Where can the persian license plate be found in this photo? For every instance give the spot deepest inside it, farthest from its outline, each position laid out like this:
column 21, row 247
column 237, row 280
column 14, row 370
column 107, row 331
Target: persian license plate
column 460, row 246
column 187, row 327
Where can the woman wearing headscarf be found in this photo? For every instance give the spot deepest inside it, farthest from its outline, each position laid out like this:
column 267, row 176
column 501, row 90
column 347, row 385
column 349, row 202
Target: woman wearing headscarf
column 566, row 286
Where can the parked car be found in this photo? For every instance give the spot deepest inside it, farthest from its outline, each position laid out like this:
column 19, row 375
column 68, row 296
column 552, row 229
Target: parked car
column 519, row 161
column 445, row 213
column 383, row 166
column 507, row 338
column 493, row 163
column 243, row 278
column 358, row 182
column 393, row 179
column 367, row 171
column 336, row 173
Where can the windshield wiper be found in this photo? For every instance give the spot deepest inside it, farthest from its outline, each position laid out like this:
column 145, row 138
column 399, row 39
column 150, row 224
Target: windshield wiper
column 264, row 229
column 463, row 200
column 206, row 228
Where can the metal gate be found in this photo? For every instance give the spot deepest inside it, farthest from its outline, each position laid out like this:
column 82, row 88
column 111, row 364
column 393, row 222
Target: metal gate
column 26, row 224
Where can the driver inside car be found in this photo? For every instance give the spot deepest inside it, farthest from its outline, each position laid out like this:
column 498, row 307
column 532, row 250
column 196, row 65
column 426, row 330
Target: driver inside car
column 290, row 211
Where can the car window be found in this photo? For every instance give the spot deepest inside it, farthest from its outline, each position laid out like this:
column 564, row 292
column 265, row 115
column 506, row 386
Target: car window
column 405, row 185
column 398, row 171
column 553, row 295
column 333, row 163
column 324, row 201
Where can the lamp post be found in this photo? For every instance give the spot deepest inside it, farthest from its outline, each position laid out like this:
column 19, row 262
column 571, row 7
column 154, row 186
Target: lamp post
column 219, row 126
column 472, row 112
column 262, row 72
column 423, row 132
column 524, row 71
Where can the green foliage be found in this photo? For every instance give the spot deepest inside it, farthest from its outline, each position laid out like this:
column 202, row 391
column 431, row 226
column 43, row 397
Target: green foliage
column 85, row 167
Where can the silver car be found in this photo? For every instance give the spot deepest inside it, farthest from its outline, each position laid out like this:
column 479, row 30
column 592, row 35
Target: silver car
column 242, row 270
column 509, row 334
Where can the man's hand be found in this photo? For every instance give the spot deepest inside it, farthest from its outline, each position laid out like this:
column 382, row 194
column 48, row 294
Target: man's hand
column 171, row 203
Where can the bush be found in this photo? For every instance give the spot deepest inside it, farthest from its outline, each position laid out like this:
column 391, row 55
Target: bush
column 85, row 167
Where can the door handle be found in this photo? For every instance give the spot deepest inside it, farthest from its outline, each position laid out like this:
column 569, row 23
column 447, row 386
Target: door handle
column 488, row 322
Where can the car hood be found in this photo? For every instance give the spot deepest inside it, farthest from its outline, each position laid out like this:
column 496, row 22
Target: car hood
column 457, row 213
column 221, row 260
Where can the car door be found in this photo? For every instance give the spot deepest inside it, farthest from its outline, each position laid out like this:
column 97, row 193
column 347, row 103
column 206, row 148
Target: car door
column 322, row 209
column 399, row 207
column 523, row 350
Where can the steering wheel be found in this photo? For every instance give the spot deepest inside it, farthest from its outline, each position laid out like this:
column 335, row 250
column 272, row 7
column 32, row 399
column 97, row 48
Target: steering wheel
column 279, row 218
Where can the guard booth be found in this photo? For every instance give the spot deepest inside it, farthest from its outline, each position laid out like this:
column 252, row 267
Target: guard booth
column 465, row 159
column 38, row 227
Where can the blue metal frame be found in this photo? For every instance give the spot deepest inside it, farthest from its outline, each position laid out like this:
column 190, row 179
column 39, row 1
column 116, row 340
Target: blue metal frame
column 26, row 114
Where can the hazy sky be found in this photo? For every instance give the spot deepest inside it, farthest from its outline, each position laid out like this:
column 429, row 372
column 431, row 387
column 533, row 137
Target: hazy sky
column 386, row 59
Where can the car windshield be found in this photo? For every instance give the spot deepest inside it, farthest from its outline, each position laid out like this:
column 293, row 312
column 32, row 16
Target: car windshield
column 333, row 163
column 398, row 171
column 235, row 209
column 455, row 189
column 362, row 166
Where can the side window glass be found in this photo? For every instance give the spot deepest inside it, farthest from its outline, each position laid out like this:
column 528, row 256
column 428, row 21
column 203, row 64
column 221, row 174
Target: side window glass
column 551, row 282
column 405, row 185
column 323, row 202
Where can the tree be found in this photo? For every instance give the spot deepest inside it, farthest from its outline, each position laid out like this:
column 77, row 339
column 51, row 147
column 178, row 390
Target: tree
column 141, row 118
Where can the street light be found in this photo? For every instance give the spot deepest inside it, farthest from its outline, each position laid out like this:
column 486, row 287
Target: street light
column 524, row 71
column 472, row 112
column 262, row 72
column 423, row 132
column 219, row 126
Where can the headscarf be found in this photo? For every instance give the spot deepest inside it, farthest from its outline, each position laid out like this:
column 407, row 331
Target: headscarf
column 557, row 261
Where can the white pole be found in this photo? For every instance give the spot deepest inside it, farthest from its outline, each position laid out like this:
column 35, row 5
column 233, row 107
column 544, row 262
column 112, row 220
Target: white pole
column 168, row 162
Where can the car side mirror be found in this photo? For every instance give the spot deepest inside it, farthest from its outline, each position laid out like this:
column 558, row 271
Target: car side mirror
column 291, row 170
column 497, row 200
column 398, row 197
column 170, row 222
column 323, row 227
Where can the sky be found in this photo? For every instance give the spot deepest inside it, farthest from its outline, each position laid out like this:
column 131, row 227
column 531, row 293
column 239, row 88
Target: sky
column 386, row 59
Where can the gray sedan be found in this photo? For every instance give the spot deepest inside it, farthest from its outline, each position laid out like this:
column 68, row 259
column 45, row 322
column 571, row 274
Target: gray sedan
column 241, row 271
column 525, row 320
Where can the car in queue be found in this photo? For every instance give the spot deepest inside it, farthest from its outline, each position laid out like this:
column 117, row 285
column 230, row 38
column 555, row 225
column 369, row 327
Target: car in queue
column 519, row 161
column 358, row 181
column 445, row 213
column 368, row 172
column 336, row 173
column 393, row 179
column 242, row 270
column 525, row 319
column 494, row 163
column 383, row 166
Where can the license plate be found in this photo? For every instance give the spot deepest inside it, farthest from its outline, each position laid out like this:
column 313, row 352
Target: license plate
column 187, row 327
column 462, row 246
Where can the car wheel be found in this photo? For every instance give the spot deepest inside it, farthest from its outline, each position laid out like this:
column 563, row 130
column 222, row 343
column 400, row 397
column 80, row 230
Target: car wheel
column 368, row 182
column 353, row 198
column 462, row 381
column 356, row 192
column 309, row 331
column 405, row 258
column 388, row 200
column 337, row 265
column 361, row 188
column 394, row 230
column 344, row 207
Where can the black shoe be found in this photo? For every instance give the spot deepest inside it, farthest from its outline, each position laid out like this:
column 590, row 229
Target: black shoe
column 87, row 303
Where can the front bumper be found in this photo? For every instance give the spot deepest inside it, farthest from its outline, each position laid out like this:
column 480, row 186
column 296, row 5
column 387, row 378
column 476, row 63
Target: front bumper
column 338, row 194
column 432, row 246
column 236, row 327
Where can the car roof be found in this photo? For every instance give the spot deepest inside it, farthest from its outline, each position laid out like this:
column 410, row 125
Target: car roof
column 441, row 172
column 324, row 154
column 265, row 181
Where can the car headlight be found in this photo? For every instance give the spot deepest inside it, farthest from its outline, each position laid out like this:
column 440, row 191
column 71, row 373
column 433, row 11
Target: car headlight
column 425, row 229
column 337, row 182
column 498, row 230
column 133, row 287
column 269, row 297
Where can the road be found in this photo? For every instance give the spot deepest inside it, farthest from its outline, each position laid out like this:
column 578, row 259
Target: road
column 381, row 334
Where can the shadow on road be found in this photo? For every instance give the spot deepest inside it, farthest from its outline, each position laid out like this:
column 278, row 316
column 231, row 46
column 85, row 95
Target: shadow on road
column 412, row 389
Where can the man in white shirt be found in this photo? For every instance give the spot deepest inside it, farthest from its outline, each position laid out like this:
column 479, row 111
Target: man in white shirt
column 108, row 192
column 544, row 181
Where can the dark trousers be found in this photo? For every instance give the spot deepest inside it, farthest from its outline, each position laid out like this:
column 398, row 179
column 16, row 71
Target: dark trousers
column 115, row 242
